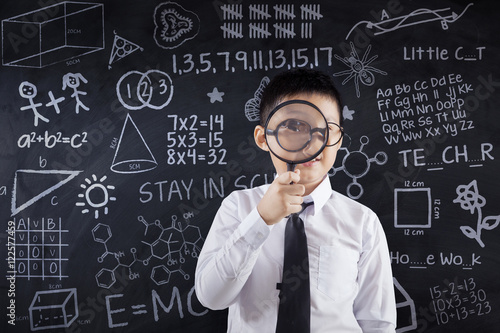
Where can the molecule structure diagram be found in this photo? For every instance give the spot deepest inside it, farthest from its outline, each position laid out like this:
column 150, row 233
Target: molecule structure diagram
column 356, row 164
column 173, row 244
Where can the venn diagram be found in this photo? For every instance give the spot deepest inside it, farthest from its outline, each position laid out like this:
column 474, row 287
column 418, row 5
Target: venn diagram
column 152, row 89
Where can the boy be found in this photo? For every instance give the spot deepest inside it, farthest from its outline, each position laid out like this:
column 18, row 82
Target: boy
column 349, row 273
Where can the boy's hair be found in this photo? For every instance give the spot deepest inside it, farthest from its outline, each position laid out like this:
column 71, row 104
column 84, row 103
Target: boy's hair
column 298, row 81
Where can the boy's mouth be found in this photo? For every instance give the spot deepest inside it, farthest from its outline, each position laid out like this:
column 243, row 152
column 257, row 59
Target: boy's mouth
column 311, row 162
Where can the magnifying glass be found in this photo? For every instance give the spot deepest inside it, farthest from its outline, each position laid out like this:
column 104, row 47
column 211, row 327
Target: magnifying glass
column 296, row 132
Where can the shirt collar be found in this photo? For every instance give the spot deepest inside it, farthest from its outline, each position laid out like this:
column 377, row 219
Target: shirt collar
column 320, row 195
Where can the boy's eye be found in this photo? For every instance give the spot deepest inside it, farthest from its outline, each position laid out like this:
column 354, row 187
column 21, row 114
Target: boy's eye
column 296, row 125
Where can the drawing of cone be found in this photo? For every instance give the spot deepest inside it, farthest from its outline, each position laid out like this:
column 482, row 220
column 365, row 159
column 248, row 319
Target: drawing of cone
column 132, row 153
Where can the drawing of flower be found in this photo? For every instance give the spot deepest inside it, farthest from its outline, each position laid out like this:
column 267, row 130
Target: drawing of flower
column 470, row 199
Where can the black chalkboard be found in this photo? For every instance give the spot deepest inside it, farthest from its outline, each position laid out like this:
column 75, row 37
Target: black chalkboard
column 123, row 125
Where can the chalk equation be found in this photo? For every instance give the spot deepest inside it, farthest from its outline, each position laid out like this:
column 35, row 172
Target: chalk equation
column 190, row 133
column 457, row 300
column 50, row 140
column 120, row 314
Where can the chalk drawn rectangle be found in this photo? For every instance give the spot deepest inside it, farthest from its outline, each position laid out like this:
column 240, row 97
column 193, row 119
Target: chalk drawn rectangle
column 53, row 309
column 52, row 34
column 412, row 207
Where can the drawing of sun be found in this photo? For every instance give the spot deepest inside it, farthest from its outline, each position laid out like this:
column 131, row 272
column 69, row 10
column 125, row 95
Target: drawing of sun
column 96, row 195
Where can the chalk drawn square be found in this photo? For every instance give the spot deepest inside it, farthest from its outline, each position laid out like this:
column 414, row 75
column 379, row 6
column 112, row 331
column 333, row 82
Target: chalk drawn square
column 52, row 34
column 412, row 207
column 53, row 309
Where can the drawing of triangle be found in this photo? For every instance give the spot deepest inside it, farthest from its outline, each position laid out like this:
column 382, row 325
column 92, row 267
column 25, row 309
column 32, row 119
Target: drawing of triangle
column 132, row 153
column 32, row 185
column 125, row 48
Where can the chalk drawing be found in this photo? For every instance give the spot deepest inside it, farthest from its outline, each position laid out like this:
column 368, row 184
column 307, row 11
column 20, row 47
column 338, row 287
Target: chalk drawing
column 96, row 195
column 215, row 95
column 412, row 207
column 170, row 245
column 174, row 25
column 39, row 247
column 359, row 69
column 121, row 49
column 356, row 164
column 32, row 179
column 58, row 33
column 53, row 309
column 347, row 113
column 73, row 81
column 132, row 153
column 470, row 200
column 404, row 304
column 29, row 91
column 54, row 102
column 153, row 89
column 252, row 106
column 262, row 18
column 416, row 17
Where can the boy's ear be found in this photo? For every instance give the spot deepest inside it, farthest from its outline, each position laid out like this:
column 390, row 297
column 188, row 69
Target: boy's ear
column 259, row 135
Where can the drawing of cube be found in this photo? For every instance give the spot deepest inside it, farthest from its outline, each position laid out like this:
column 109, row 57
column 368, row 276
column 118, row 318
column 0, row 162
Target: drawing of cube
column 53, row 309
column 52, row 34
column 412, row 207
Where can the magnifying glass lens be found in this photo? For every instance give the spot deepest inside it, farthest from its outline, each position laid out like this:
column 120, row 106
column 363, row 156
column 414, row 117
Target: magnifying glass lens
column 296, row 131
column 293, row 134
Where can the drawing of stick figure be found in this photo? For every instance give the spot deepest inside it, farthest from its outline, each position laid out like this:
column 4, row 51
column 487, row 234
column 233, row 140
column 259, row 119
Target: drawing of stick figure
column 28, row 90
column 73, row 81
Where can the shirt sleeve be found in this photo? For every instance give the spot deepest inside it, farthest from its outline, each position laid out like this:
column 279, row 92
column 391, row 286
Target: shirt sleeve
column 228, row 255
column 375, row 304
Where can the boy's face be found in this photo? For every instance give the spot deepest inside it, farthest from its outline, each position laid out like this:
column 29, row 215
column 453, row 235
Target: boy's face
column 312, row 172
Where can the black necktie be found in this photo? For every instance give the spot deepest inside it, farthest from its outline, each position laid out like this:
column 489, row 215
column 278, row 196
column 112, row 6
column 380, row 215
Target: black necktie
column 295, row 301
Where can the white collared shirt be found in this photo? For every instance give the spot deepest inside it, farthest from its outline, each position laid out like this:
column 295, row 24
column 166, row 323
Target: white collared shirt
column 349, row 265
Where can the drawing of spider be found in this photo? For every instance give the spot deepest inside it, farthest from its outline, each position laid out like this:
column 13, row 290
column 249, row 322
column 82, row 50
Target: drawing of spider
column 359, row 69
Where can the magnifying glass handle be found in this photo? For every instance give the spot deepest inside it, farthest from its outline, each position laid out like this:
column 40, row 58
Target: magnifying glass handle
column 290, row 167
